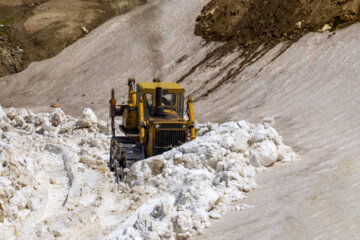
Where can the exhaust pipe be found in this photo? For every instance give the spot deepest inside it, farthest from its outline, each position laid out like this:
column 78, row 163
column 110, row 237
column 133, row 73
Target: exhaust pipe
column 159, row 109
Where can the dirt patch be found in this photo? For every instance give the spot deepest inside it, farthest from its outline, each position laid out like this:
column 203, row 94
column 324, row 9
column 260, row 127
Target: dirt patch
column 254, row 21
column 34, row 30
column 10, row 54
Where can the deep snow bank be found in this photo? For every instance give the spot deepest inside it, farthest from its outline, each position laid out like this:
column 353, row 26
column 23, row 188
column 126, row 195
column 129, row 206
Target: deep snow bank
column 55, row 182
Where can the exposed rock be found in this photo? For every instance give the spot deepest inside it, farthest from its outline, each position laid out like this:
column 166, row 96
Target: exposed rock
column 251, row 23
column 351, row 11
column 298, row 25
column 85, row 30
column 54, row 105
column 326, row 27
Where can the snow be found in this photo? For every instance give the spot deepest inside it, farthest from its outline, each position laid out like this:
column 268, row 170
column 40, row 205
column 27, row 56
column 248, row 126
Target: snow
column 55, row 182
column 87, row 119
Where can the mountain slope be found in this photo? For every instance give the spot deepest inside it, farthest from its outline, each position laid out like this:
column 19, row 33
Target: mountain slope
column 34, row 30
column 312, row 91
column 310, row 87
column 145, row 43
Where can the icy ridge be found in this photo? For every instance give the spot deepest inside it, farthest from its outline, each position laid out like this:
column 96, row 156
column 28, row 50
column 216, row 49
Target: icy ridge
column 54, row 180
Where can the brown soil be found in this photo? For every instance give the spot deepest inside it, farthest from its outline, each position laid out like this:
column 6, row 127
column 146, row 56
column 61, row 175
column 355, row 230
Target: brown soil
column 34, row 30
column 252, row 22
column 256, row 26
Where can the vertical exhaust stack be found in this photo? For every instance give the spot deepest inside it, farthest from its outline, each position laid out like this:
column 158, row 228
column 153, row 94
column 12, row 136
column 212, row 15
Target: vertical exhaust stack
column 159, row 109
column 112, row 111
column 132, row 92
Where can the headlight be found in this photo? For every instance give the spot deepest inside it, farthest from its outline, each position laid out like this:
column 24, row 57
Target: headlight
column 184, row 126
column 157, row 126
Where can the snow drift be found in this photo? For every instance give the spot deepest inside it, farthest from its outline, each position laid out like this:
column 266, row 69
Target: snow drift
column 55, row 182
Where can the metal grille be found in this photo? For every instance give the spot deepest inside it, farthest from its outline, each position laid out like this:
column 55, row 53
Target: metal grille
column 170, row 138
column 171, row 125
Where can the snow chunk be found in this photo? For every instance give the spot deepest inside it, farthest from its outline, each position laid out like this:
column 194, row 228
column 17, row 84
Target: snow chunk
column 47, row 126
column 88, row 119
column 242, row 139
column 268, row 122
column 67, row 126
column 227, row 127
column 264, row 154
column 3, row 115
column 103, row 127
column 57, row 117
column 11, row 113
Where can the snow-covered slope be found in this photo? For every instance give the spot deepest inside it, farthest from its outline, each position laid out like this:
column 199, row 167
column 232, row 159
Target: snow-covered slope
column 310, row 87
column 312, row 90
column 55, row 183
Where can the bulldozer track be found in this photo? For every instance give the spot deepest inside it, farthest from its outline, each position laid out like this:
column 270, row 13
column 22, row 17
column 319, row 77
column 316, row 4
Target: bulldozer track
column 124, row 153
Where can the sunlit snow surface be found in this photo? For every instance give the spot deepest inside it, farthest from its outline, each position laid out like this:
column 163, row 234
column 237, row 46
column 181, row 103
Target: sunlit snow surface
column 55, row 183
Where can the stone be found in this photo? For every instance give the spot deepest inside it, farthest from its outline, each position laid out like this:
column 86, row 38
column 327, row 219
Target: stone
column 298, row 25
column 326, row 27
column 84, row 30
column 54, row 105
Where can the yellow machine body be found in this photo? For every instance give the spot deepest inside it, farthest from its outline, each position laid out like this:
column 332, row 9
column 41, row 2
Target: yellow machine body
column 153, row 119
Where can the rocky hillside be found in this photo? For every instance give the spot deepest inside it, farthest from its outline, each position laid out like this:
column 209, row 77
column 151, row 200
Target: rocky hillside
column 34, row 30
column 256, row 22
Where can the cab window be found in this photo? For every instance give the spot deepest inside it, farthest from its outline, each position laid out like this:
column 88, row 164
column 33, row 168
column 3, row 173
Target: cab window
column 148, row 99
column 168, row 99
column 180, row 106
column 148, row 105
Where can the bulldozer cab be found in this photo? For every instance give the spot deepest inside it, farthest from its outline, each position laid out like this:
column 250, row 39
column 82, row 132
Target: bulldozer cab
column 153, row 122
column 172, row 100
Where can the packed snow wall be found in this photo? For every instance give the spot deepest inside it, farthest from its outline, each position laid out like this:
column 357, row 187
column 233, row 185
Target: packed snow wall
column 55, row 182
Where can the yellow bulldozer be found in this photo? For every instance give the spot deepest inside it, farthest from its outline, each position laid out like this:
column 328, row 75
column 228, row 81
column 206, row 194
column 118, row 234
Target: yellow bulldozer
column 153, row 122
